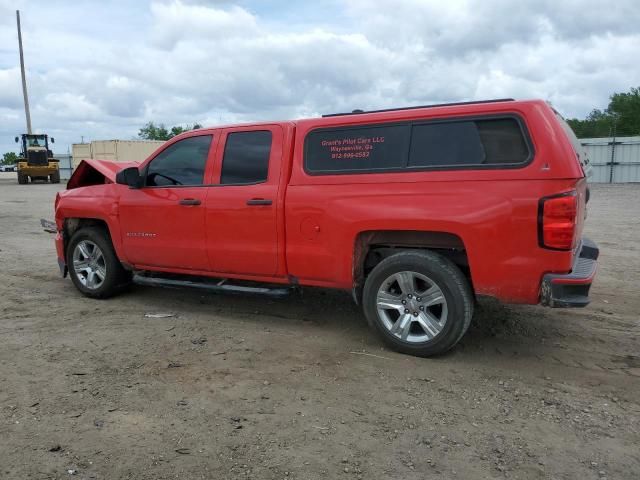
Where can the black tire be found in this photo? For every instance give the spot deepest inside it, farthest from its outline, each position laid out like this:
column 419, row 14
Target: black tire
column 446, row 276
column 23, row 179
column 116, row 277
column 55, row 177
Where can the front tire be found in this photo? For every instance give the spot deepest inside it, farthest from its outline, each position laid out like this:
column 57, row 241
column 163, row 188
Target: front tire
column 22, row 179
column 419, row 302
column 93, row 265
column 55, row 177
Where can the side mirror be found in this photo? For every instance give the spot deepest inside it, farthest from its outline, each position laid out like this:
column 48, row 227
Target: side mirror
column 129, row 176
column 17, row 139
column 53, row 140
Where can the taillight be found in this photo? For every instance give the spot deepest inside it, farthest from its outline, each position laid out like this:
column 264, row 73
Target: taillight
column 557, row 217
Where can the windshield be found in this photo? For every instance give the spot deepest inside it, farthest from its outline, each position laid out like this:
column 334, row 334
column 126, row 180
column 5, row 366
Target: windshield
column 36, row 141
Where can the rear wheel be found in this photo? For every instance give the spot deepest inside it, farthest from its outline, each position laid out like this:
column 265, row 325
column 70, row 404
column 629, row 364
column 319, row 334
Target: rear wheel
column 22, row 179
column 93, row 265
column 419, row 302
column 55, row 177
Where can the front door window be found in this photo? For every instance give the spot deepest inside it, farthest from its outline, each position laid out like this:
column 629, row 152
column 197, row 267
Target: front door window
column 182, row 163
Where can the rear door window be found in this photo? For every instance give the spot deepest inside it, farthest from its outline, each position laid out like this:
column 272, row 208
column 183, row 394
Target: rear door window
column 246, row 158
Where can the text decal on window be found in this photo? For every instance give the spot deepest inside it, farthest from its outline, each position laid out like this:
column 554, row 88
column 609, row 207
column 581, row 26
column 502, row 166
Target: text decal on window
column 366, row 148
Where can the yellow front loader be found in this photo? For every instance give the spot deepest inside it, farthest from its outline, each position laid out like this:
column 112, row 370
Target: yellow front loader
column 36, row 161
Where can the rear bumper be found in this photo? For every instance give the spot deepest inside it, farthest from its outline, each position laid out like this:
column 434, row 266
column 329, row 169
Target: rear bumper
column 572, row 289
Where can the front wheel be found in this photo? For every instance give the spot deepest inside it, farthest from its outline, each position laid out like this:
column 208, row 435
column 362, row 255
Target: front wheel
column 93, row 265
column 419, row 302
column 55, row 177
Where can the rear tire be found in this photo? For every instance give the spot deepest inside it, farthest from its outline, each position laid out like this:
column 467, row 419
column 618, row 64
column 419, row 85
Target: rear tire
column 419, row 302
column 93, row 265
column 55, row 177
column 22, row 179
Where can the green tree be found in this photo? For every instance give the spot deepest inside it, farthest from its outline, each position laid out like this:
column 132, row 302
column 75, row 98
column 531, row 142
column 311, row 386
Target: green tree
column 626, row 106
column 622, row 116
column 151, row 131
column 597, row 124
column 9, row 158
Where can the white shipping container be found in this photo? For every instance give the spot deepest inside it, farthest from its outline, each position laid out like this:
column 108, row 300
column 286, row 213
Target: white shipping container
column 115, row 150
column 78, row 152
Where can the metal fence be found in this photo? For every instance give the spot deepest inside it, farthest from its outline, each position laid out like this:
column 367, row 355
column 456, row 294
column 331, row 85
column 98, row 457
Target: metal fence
column 613, row 159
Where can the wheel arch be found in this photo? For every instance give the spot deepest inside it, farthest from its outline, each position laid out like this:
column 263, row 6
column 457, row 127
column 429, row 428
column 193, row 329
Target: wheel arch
column 73, row 224
column 372, row 246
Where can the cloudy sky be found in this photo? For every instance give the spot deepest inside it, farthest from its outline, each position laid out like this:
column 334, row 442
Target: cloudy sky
column 101, row 69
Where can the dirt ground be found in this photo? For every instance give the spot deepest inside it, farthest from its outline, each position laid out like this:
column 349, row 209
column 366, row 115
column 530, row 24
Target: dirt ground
column 300, row 388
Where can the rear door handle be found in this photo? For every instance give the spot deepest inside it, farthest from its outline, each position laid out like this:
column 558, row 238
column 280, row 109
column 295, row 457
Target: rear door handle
column 259, row 201
column 190, row 201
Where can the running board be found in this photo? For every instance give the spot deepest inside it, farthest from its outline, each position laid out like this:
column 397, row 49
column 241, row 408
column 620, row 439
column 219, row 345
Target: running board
column 221, row 286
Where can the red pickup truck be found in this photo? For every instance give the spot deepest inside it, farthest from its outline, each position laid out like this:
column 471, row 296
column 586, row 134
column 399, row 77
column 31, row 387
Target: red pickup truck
column 418, row 211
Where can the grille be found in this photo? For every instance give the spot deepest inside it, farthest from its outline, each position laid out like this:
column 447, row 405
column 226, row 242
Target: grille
column 38, row 158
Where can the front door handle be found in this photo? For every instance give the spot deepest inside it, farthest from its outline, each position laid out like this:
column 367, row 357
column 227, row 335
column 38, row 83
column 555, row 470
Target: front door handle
column 190, row 201
column 259, row 201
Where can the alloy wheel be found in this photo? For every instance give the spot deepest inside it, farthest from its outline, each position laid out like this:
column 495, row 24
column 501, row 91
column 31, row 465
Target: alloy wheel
column 89, row 264
column 412, row 307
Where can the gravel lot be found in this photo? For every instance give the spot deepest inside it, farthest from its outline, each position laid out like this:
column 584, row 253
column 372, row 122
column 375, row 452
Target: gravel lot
column 246, row 387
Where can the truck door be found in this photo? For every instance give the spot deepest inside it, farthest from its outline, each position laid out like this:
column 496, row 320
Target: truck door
column 163, row 223
column 241, row 208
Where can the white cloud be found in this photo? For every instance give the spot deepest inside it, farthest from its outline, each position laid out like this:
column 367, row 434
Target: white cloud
column 176, row 21
column 102, row 70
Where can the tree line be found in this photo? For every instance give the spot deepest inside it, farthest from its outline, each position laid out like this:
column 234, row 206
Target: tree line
column 151, row 131
column 620, row 118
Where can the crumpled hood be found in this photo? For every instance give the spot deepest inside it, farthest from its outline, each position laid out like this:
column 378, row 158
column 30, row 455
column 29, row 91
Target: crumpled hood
column 96, row 172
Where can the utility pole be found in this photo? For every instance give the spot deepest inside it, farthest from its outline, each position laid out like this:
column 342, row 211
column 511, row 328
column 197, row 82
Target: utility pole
column 24, row 78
